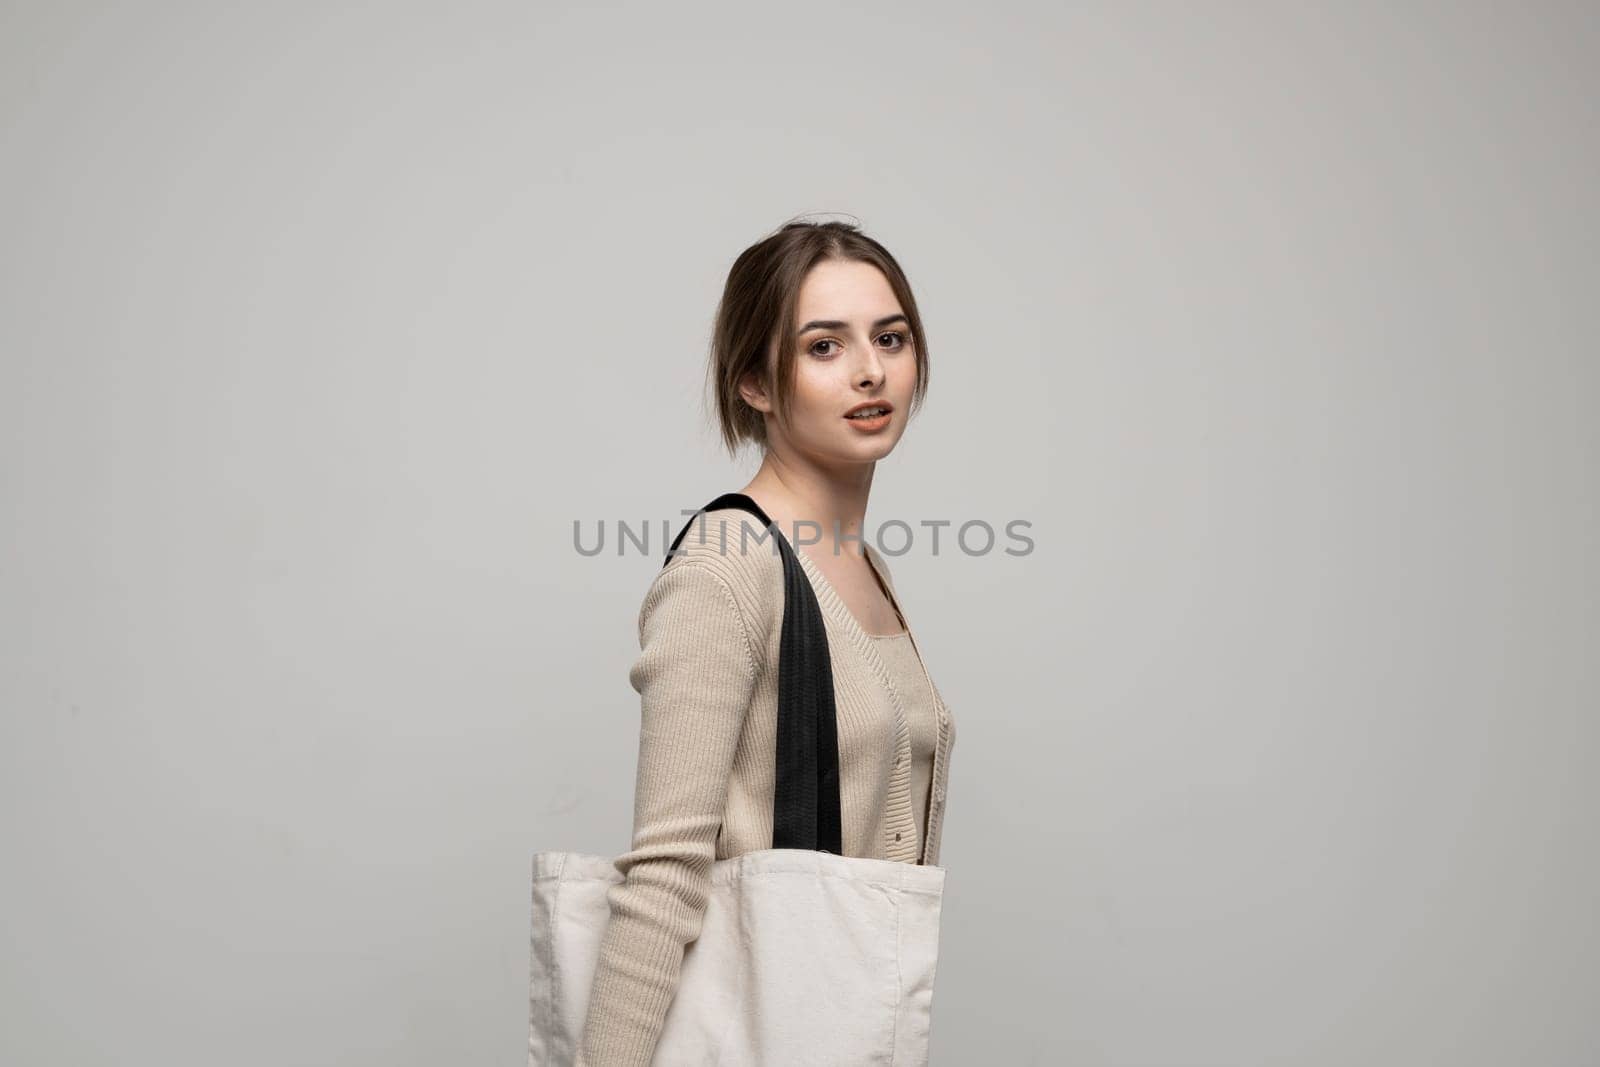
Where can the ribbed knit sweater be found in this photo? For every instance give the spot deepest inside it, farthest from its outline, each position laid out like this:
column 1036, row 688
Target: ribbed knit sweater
column 707, row 676
column 922, row 716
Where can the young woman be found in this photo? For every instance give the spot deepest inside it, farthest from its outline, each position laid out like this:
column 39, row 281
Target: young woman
column 817, row 325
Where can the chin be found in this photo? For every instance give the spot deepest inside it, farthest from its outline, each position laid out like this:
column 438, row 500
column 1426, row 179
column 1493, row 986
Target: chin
column 874, row 447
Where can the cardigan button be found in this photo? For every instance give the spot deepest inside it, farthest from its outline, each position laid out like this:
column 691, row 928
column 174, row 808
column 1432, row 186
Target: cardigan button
column 897, row 835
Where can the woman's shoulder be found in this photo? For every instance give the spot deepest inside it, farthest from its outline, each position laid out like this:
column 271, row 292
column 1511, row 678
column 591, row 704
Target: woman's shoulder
column 734, row 548
column 731, row 541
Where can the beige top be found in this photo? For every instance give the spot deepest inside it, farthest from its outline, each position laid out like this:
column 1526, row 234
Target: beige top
column 922, row 715
column 707, row 676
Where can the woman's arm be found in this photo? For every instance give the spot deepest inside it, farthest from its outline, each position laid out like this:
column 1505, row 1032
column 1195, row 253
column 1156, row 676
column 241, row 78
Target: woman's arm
column 695, row 676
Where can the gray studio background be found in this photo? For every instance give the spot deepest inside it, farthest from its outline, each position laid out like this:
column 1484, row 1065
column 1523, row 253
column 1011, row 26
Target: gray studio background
column 321, row 326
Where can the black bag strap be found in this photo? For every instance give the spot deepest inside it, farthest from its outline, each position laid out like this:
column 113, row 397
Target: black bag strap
column 805, row 811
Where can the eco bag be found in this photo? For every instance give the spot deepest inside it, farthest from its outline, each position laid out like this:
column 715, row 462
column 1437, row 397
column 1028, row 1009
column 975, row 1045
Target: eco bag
column 805, row 956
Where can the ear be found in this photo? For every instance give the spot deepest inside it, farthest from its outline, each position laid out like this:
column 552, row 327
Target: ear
column 754, row 393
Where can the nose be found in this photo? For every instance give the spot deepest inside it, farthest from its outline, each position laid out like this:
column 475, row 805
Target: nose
column 870, row 370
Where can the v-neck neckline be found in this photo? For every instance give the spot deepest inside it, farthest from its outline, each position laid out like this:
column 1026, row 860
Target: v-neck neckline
column 819, row 578
column 883, row 583
column 830, row 600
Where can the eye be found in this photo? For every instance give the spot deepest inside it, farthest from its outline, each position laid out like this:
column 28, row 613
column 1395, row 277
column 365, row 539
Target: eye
column 901, row 339
column 823, row 341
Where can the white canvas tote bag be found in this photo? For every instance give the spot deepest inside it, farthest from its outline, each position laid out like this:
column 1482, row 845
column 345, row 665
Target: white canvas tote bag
column 805, row 956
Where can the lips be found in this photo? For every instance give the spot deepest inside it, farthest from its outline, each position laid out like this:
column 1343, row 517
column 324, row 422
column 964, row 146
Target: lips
column 871, row 424
column 879, row 405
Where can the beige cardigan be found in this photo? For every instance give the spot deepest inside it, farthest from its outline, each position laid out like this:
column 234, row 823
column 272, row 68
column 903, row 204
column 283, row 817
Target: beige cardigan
column 707, row 675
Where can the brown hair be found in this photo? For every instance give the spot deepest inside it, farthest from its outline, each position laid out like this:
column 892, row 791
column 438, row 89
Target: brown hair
column 756, row 317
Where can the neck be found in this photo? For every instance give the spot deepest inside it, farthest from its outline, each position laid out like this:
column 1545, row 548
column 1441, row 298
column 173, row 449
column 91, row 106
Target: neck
column 835, row 500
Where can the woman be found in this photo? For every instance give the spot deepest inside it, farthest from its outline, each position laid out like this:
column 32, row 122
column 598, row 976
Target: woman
column 817, row 324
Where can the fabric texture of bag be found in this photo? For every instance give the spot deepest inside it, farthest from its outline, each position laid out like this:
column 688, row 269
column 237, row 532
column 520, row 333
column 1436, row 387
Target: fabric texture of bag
column 805, row 956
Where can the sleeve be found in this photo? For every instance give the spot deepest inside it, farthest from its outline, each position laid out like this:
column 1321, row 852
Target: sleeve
column 695, row 676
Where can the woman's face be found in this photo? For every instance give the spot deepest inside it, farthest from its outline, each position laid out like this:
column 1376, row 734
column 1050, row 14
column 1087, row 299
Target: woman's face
column 854, row 346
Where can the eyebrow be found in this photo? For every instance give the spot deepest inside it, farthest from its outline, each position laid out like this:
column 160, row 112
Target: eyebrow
column 838, row 324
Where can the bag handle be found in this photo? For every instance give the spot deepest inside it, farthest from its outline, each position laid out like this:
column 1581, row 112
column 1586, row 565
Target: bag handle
column 805, row 805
